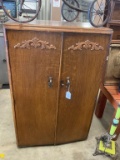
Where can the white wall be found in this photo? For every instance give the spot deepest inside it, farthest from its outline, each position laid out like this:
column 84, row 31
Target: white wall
column 48, row 12
column 56, row 11
column 45, row 11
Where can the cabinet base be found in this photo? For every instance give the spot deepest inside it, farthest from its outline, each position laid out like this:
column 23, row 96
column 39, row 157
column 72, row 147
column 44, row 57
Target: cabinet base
column 63, row 143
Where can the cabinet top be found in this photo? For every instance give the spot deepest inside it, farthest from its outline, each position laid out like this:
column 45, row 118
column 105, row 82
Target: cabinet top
column 57, row 26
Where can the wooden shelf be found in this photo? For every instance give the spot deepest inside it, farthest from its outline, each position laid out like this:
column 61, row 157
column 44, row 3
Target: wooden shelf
column 115, row 41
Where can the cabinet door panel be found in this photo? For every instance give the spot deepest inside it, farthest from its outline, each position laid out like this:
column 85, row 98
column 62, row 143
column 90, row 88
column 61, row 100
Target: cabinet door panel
column 32, row 62
column 83, row 63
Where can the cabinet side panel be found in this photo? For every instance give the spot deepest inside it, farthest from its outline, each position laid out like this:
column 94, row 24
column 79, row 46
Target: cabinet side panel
column 10, row 82
column 83, row 61
column 34, row 58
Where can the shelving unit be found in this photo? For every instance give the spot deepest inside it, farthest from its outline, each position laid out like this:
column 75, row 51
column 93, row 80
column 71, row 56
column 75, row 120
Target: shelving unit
column 3, row 65
column 114, row 21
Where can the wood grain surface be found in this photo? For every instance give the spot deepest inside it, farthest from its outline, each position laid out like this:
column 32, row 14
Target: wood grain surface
column 35, row 101
column 43, row 115
column 57, row 26
column 84, row 67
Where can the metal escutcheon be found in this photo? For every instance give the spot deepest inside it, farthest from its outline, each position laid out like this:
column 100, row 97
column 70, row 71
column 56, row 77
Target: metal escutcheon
column 62, row 83
column 68, row 82
column 50, row 82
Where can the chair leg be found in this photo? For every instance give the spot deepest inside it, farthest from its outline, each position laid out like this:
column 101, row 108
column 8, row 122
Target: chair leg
column 100, row 106
column 117, row 132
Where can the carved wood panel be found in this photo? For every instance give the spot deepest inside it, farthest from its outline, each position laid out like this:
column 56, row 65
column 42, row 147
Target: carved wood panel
column 86, row 45
column 35, row 43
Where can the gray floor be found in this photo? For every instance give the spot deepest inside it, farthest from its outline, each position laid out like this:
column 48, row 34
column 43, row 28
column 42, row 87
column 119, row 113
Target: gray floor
column 75, row 151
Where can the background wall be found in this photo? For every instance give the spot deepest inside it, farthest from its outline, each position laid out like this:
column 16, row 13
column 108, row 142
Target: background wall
column 48, row 12
column 56, row 11
column 45, row 12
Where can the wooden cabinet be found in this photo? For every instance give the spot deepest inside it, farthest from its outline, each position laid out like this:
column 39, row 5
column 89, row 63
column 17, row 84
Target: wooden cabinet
column 45, row 60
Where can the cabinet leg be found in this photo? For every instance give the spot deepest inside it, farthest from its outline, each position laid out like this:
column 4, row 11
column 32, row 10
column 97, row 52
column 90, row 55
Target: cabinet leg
column 100, row 106
column 117, row 132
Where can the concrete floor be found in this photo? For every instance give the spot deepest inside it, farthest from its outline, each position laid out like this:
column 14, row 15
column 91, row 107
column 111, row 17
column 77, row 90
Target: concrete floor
column 82, row 150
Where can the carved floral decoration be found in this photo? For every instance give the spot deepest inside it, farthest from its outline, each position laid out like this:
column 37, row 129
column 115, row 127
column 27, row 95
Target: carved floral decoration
column 35, row 43
column 86, row 45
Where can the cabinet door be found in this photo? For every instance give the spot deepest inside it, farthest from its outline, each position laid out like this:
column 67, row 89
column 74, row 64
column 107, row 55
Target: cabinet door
column 83, row 60
column 34, row 57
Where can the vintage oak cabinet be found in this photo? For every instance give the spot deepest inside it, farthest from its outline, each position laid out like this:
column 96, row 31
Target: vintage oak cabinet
column 47, row 62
